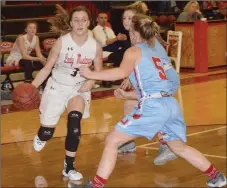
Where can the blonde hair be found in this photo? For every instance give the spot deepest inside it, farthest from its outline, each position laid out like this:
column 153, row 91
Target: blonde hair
column 138, row 7
column 188, row 5
column 146, row 27
column 61, row 22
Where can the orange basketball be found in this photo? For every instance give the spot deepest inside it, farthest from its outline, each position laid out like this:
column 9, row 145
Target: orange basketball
column 26, row 97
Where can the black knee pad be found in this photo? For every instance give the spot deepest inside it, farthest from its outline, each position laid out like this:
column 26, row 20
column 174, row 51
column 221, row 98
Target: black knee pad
column 45, row 133
column 74, row 132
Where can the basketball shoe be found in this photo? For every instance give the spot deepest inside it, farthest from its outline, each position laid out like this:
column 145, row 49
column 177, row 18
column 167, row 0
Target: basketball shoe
column 127, row 147
column 71, row 174
column 219, row 181
column 38, row 144
column 164, row 155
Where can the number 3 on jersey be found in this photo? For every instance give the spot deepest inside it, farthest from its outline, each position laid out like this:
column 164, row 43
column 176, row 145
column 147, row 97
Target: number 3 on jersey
column 75, row 72
column 161, row 71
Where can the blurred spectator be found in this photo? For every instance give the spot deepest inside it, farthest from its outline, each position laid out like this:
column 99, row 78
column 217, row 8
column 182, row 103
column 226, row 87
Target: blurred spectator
column 23, row 47
column 223, row 9
column 191, row 12
column 106, row 37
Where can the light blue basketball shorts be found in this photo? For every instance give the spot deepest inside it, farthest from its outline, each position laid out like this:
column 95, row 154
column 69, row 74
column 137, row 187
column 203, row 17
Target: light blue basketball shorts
column 157, row 115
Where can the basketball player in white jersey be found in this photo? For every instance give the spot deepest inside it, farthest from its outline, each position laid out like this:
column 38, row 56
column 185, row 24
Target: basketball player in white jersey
column 22, row 48
column 66, row 88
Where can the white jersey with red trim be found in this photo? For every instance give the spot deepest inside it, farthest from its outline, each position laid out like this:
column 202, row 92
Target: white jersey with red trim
column 71, row 57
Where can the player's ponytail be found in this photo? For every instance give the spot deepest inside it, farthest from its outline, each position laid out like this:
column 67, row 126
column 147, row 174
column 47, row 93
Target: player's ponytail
column 157, row 34
column 147, row 27
column 61, row 22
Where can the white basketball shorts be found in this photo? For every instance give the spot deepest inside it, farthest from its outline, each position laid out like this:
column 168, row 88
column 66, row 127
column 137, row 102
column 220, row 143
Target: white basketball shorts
column 55, row 99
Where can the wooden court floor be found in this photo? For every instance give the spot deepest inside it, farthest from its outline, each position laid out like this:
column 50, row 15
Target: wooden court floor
column 203, row 101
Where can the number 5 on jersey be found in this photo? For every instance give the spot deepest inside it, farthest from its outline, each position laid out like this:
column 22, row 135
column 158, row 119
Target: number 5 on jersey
column 161, row 71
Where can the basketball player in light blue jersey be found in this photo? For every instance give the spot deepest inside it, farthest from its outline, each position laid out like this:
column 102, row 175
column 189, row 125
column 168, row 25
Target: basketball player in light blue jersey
column 164, row 153
column 157, row 110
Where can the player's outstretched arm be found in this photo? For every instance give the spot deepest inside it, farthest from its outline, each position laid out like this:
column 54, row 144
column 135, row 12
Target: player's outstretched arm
column 131, row 56
column 45, row 71
column 87, row 86
column 121, row 94
column 98, row 64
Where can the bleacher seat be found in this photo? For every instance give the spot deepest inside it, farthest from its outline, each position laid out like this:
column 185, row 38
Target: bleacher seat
column 25, row 11
column 17, row 26
column 5, row 48
column 48, row 43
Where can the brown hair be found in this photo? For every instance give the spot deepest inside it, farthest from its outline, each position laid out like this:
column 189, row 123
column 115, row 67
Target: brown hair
column 31, row 22
column 78, row 9
column 61, row 22
column 27, row 24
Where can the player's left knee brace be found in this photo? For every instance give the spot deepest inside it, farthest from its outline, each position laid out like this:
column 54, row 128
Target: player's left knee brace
column 74, row 131
column 45, row 133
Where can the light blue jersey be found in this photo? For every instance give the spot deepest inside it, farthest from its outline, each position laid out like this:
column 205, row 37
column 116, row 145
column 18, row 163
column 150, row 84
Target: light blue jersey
column 149, row 75
column 169, row 70
column 157, row 111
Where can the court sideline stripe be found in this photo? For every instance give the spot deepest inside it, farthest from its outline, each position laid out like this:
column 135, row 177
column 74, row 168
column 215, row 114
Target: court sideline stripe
column 207, row 155
column 192, row 134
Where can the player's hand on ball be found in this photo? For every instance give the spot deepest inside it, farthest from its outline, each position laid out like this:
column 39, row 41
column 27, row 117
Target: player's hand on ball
column 85, row 71
column 120, row 93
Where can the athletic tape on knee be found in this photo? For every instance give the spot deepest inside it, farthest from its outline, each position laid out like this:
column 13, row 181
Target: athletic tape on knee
column 45, row 133
column 74, row 131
